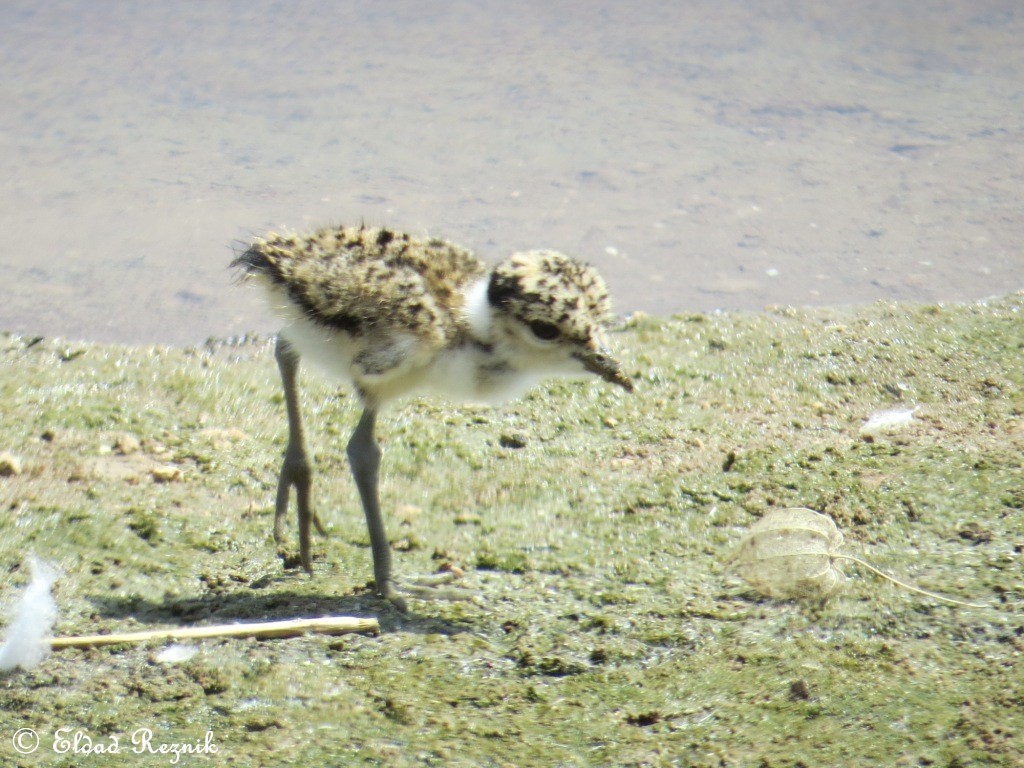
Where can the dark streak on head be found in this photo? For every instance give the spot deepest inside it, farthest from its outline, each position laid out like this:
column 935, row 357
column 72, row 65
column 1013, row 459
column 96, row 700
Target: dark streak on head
column 501, row 289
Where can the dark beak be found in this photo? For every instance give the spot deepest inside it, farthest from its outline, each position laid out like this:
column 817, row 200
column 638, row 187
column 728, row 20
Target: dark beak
column 604, row 365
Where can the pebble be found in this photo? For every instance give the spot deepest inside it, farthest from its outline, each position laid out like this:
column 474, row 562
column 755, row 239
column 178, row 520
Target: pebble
column 167, row 474
column 127, row 444
column 10, row 465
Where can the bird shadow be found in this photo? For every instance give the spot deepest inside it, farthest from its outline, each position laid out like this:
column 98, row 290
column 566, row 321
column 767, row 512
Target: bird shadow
column 249, row 603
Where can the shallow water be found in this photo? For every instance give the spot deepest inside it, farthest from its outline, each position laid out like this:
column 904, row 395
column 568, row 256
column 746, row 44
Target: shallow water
column 703, row 155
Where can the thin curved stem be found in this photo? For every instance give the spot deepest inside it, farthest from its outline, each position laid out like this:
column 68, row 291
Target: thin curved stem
column 911, row 587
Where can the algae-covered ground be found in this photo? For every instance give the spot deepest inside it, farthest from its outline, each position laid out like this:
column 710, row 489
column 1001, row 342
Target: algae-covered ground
column 593, row 525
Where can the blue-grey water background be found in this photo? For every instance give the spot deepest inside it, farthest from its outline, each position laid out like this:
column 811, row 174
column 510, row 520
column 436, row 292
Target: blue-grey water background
column 704, row 154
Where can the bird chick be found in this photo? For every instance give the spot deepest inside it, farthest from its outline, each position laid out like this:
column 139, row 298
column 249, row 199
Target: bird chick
column 399, row 315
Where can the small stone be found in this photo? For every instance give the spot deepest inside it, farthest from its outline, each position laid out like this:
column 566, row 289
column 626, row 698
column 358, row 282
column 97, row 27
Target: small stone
column 167, row 474
column 10, row 465
column 127, row 444
column 611, row 422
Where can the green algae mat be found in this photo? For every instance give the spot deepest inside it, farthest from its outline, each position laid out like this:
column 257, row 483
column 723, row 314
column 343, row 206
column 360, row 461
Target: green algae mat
column 594, row 528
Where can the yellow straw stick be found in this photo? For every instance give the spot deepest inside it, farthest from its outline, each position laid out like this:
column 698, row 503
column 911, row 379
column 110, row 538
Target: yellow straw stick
column 328, row 625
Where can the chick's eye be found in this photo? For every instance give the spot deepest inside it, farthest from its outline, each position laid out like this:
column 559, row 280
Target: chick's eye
column 544, row 331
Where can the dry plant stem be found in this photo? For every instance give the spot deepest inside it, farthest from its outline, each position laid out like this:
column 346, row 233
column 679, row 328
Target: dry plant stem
column 911, row 587
column 329, row 625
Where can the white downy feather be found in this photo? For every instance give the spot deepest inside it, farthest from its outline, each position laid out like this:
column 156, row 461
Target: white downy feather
column 31, row 620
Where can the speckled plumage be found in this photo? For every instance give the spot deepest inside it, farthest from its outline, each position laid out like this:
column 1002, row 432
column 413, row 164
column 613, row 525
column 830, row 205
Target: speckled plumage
column 397, row 313
column 363, row 280
column 546, row 286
